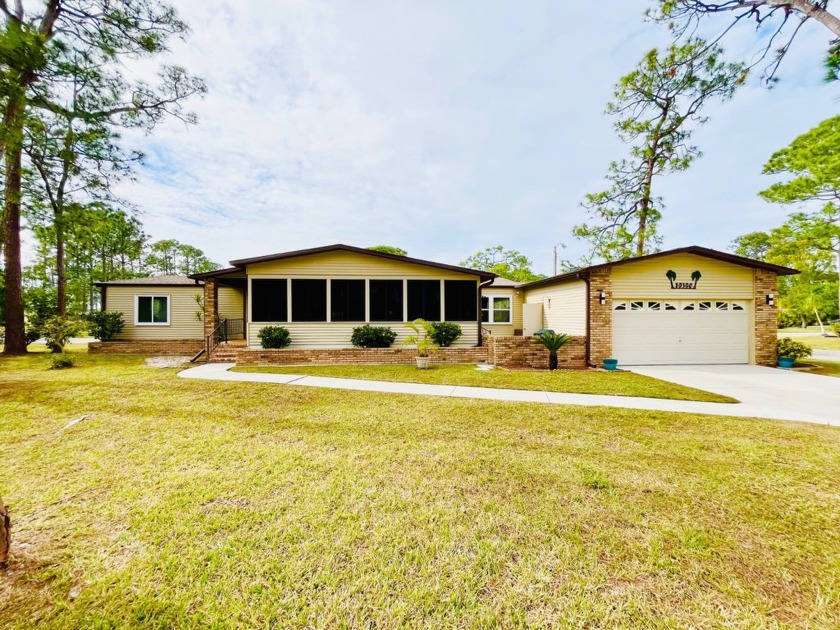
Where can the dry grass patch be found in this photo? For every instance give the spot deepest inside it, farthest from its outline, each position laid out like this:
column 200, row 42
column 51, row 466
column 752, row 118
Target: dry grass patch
column 570, row 381
column 182, row 503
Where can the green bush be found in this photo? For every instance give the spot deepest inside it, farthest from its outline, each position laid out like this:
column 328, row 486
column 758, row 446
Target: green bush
column 368, row 336
column 274, row 337
column 445, row 334
column 61, row 361
column 104, row 325
column 58, row 330
column 787, row 347
column 836, row 328
column 553, row 342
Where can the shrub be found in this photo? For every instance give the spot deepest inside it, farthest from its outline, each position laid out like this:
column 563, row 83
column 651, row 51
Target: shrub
column 836, row 328
column 58, row 330
column 553, row 342
column 422, row 337
column 61, row 361
column 104, row 325
column 787, row 347
column 368, row 336
column 444, row 334
column 274, row 337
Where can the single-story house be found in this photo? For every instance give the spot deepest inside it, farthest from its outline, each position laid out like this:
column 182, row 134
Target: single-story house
column 691, row 305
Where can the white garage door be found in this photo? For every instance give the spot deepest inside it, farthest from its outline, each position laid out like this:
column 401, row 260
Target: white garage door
column 653, row 332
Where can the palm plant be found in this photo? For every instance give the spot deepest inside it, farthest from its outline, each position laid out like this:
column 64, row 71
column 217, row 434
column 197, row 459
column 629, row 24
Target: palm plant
column 422, row 337
column 553, row 342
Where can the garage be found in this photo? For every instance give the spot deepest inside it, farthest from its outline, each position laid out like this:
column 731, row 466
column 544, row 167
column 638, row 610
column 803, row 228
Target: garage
column 681, row 332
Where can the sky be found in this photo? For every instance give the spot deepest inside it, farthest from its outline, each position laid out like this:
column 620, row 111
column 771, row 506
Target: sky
column 441, row 127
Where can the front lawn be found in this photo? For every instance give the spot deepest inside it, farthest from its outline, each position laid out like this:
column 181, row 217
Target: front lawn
column 181, row 503
column 572, row 381
column 818, row 342
column 814, row 366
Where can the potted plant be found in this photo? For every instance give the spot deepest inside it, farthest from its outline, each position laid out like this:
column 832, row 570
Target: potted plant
column 422, row 340
column 553, row 342
column 788, row 351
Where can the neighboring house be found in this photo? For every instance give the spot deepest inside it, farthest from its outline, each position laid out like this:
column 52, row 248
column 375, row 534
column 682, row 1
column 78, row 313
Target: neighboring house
column 684, row 306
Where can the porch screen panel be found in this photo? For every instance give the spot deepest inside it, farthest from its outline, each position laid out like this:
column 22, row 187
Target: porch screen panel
column 347, row 300
column 424, row 300
column 386, row 300
column 268, row 301
column 309, row 300
column 460, row 303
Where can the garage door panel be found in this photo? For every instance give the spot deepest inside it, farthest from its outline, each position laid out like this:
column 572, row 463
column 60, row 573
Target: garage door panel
column 659, row 337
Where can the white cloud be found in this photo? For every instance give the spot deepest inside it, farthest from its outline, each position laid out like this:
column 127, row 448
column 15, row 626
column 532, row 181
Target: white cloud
column 439, row 127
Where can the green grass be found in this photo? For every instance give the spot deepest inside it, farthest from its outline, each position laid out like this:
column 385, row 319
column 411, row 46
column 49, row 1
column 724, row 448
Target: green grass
column 572, row 381
column 798, row 329
column 818, row 342
column 815, row 366
column 190, row 503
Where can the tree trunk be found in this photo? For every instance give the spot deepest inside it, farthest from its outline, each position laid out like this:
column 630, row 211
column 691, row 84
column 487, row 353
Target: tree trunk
column 5, row 534
column 59, row 263
column 15, row 330
column 552, row 362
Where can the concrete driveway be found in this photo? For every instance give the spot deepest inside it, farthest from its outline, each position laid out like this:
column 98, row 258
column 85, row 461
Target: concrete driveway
column 773, row 393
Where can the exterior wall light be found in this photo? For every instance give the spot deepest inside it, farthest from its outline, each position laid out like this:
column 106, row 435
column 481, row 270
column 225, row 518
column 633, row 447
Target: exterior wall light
column 602, row 298
column 771, row 300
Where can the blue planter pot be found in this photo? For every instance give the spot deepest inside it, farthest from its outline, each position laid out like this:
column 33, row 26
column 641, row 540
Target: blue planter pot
column 786, row 362
column 610, row 364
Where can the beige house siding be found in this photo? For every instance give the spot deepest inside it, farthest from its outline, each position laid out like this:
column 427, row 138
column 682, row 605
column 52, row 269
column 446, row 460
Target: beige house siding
column 183, row 323
column 231, row 303
column 646, row 279
column 337, row 335
column 516, row 313
column 348, row 265
column 564, row 306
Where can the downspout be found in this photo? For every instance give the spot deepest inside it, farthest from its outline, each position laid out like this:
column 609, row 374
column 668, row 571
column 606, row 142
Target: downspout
column 480, row 336
column 585, row 278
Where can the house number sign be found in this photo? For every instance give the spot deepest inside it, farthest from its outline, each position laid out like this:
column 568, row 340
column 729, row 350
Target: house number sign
column 672, row 276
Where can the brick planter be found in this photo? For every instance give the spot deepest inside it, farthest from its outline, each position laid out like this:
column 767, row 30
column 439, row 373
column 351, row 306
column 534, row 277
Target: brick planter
column 355, row 356
column 528, row 352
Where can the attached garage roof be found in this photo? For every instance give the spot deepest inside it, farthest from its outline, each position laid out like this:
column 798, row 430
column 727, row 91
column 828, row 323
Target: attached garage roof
column 240, row 264
column 693, row 249
column 152, row 281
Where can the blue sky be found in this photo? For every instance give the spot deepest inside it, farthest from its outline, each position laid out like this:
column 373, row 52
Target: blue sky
column 440, row 127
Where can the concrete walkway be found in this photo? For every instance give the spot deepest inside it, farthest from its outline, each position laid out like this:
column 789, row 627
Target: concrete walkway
column 220, row 372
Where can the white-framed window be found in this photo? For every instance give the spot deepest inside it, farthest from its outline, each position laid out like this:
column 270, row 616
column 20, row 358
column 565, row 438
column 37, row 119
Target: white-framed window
column 496, row 309
column 151, row 310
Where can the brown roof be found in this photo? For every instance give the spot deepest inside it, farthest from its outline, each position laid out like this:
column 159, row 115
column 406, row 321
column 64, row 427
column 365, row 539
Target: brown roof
column 240, row 264
column 503, row 282
column 693, row 249
column 156, row 281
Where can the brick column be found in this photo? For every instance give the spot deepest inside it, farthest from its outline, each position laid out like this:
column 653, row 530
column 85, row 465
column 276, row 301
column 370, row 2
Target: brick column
column 766, row 323
column 211, row 305
column 600, row 316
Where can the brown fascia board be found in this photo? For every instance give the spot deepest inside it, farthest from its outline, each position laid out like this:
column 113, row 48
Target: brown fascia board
column 145, row 284
column 693, row 249
column 217, row 272
column 242, row 262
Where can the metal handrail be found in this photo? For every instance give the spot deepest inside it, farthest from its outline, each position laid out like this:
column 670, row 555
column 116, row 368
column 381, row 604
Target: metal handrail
column 216, row 337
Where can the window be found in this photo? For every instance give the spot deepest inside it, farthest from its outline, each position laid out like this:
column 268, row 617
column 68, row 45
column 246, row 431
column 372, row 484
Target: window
column 460, row 300
column 620, row 306
column 722, row 306
column 424, row 300
column 309, row 300
column 347, row 300
column 268, row 301
column 152, row 310
column 495, row 309
column 386, row 300
column 637, row 306
column 654, row 306
column 737, row 307
column 705, row 306
column 689, row 306
column 670, row 307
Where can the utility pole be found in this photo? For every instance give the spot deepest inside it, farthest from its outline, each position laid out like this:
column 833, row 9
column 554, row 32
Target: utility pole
column 555, row 256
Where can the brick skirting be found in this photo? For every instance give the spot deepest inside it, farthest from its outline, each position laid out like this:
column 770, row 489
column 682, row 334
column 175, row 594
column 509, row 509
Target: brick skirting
column 353, row 356
column 159, row 347
column 528, row 352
